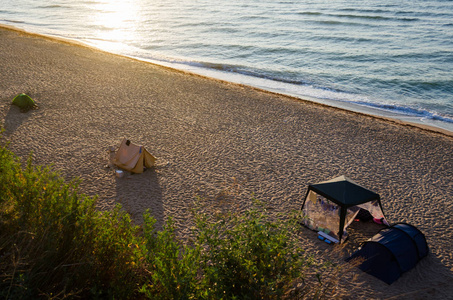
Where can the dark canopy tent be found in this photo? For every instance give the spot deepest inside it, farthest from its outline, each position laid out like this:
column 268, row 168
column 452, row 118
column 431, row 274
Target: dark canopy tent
column 330, row 206
column 392, row 251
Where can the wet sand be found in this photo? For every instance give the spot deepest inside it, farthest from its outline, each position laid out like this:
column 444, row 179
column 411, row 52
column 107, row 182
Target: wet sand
column 213, row 137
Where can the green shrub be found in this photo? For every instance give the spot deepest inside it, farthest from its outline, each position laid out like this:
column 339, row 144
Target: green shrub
column 248, row 256
column 172, row 266
column 232, row 256
column 53, row 241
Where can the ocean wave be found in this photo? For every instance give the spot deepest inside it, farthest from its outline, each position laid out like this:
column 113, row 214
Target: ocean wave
column 12, row 21
column 362, row 16
column 51, row 6
column 372, row 17
column 310, row 13
column 247, row 71
column 345, row 38
column 342, row 23
column 407, row 111
column 362, row 10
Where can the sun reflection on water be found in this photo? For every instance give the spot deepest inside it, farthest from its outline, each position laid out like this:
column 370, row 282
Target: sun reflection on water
column 117, row 22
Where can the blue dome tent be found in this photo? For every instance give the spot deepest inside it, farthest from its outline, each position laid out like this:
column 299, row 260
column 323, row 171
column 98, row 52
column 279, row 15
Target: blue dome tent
column 392, row 251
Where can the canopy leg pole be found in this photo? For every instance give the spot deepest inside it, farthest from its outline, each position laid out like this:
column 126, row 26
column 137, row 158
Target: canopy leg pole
column 343, row 211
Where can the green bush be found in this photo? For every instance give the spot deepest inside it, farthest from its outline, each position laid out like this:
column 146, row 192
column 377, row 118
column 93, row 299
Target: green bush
column 172, row 266
column 53, row 241
column 248, row 255
column 243, row 256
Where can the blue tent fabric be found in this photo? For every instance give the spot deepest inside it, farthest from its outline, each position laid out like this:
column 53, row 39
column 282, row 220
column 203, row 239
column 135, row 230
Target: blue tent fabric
column 392, row 251
column 401, row 245
column 379, row 262
column 417, row 236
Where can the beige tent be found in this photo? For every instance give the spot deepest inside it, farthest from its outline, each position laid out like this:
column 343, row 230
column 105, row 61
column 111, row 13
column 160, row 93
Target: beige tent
column 133, row 158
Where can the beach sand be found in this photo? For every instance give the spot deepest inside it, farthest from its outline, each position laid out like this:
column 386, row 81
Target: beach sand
column 211, row 137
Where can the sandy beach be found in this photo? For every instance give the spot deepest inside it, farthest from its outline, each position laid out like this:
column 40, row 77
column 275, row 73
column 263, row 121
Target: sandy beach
column 211, row 137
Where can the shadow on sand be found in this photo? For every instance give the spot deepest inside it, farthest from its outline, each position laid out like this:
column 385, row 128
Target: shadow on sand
column 14, row 119
column 139, row 192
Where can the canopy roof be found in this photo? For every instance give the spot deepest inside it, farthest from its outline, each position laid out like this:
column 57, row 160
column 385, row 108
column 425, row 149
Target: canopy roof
column 344, row 192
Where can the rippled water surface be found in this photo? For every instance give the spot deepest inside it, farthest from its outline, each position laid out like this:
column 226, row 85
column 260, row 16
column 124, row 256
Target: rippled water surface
column 394, row 56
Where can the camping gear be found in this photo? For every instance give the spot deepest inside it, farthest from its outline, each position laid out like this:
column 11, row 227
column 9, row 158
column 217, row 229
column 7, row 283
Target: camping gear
column 133, row 158
column 24, row 102
column 392, row 251
column 330, row 206
column 326, row 238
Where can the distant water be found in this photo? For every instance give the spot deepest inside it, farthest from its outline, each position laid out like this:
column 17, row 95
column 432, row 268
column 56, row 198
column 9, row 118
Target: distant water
column 393, row 58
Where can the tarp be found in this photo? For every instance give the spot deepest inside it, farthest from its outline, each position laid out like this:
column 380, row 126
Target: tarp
column 133, row 158
column 330, row 206
column 392, row 251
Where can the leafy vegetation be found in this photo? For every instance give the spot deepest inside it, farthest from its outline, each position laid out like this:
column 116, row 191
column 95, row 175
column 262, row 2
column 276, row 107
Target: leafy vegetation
column 55, row 244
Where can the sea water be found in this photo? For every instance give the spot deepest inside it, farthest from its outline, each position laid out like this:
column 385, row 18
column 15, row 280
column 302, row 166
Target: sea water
column 390, row 58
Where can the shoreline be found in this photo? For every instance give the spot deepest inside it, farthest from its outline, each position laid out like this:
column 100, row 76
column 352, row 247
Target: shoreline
column 348, row 107
column 223, row 143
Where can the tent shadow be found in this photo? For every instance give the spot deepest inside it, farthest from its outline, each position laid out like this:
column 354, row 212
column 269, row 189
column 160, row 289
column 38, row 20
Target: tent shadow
column 429, row 279
column 140, row 192
column 14, row 119
column 360, row 232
